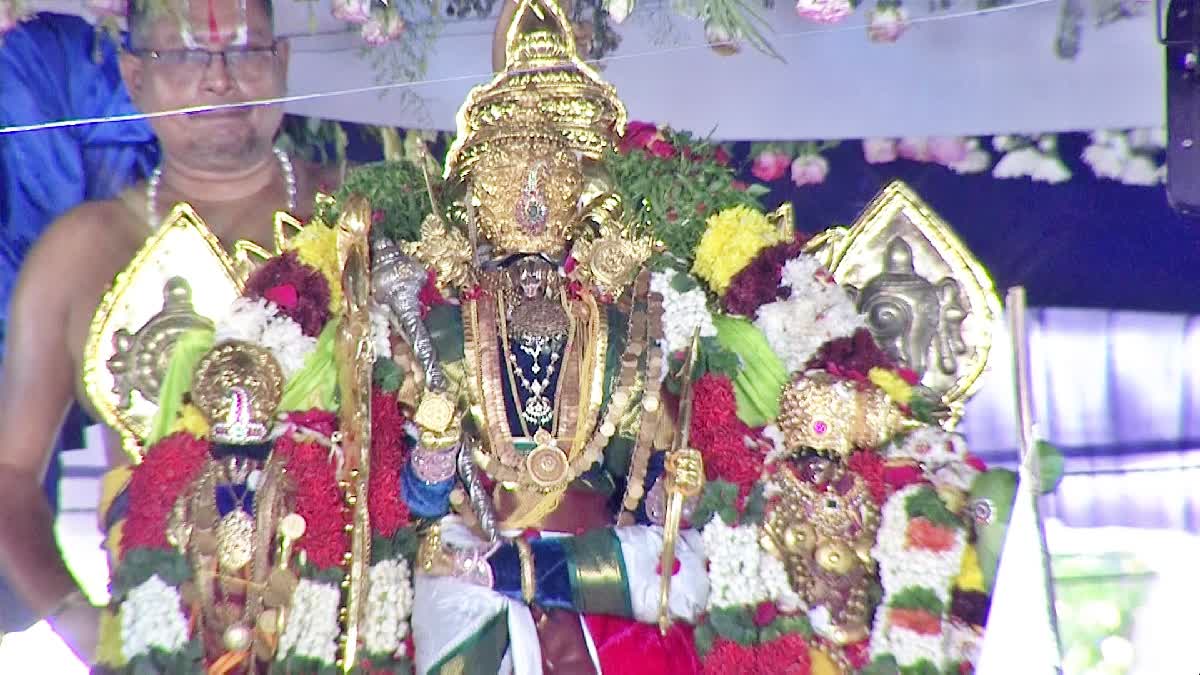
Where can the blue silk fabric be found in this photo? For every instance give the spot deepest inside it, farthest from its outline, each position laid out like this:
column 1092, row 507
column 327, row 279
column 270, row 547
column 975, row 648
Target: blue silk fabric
column 57, row 67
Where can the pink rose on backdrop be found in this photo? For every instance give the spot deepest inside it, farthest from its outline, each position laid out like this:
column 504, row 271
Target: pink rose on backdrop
column 916, row 149
column 887, row 23
column 103, row 8
column 947, row 150
column 637, row 135
column 809, row 170
column 879, row 150
column 770, row 165
column 382, row 28
column 8, row 17
column 824, row 11
column 353, row 11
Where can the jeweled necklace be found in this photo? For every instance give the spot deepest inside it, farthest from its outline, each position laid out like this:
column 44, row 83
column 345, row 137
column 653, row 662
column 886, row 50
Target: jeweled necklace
column 285, row 164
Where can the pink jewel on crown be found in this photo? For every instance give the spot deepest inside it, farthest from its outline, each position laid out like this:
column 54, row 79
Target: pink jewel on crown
column 239, row 427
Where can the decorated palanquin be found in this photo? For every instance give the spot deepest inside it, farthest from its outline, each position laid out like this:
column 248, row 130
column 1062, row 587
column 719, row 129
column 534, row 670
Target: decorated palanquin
column 586, row 408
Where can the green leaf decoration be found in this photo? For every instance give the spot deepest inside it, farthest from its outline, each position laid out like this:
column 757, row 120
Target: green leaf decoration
column 676, row 195
column 734, row 623
column 917, row 597
column 927, row 504
column 788, row 624
column 704, row 637
column 387, row 375
column 397, row 193
column 755, row 509
column 1050, row 467
column 719, row 498
column 140, row 564
column 922, row 667
column 682, row 283
column 882, row 665
column 403, row 544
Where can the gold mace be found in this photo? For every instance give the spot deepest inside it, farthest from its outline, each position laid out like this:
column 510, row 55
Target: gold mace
column 684, row 472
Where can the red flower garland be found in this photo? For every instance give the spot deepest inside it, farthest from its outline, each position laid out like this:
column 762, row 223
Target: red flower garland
column 389, row 452
column 317, row 500
column 852, row 357
column 301, row 292
column 169, row 467
column 869, row 466
column 788, row 655
column 759, row 282
column 720, row 436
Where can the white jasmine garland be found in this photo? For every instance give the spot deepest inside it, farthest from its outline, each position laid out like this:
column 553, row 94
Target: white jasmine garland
column 682, row 312
column 381, row 333
column 312, row 623
column 151, row 618
column 741, row 573
column 389, row 605
column 908, row 647
column 259, row 321
column 817, row 311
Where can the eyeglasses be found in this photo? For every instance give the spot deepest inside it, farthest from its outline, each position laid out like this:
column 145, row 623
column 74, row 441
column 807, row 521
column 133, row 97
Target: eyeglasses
column 248, row 62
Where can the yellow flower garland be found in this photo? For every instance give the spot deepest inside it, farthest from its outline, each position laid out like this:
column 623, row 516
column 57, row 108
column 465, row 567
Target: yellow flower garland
column 731, row 240
column 316, row 246
column 892, row 384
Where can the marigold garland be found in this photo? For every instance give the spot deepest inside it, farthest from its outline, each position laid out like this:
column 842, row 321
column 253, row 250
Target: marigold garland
column 169, row 467
column 720, row 435
column 731, row 240
column 316, row 246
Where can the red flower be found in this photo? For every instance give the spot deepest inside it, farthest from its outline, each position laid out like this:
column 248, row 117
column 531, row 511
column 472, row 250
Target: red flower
column 169, row 467
column 758, row 283
column 285, row 296
column 786, row 656
column 976, row 463
column 869, row 467
column 662, row 149
column 909, row 376
column 310, row 290
column 473, row 293
column 430, row 296
column 720, row 436
column 721, row 156
column 851, row 357
column 317, row 500
column 765, row 613
column 859, row 653
column 320, row 421
column 740, row 186
column 901, row 475
column 638, row 135
column 389, row 453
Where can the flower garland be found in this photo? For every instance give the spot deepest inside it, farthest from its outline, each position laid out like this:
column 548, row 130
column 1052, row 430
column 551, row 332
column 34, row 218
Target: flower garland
column 260, row 321
column 817, row 311
column 311, row 469
column 311, row 630
column 155, row 485
column 389, row 605
column 683, row 311
column 151, row 619
column 919, row 548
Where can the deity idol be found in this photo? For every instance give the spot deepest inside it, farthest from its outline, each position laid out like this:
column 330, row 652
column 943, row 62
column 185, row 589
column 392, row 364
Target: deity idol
column 652, row 441
column 596, row 412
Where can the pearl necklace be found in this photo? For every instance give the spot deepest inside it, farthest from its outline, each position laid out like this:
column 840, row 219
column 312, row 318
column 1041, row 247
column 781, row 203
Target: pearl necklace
column 285, row 164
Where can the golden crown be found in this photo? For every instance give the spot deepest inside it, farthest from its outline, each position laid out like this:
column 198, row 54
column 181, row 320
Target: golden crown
column 542, row 73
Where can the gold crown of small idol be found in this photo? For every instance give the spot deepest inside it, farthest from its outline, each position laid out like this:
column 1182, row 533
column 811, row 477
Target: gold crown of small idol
column 237, row 386
column 542, row 75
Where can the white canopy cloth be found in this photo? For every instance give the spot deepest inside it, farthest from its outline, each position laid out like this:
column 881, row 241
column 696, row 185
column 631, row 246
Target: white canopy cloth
column 948, row 75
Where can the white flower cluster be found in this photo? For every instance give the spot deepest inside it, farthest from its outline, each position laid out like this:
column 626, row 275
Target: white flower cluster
column 740, row 573
column 943, row 455
column 900, row 568
column 1038, row 160
column 259, row 321
column 151, row 618
column 1127, row 157
column 908, row 647
column 389, row 604
column 682, row 312
column 381, row 332
column 312, row 623
column 817, row 311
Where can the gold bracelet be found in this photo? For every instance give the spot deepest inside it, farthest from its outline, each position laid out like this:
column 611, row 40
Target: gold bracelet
column 528, row 578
